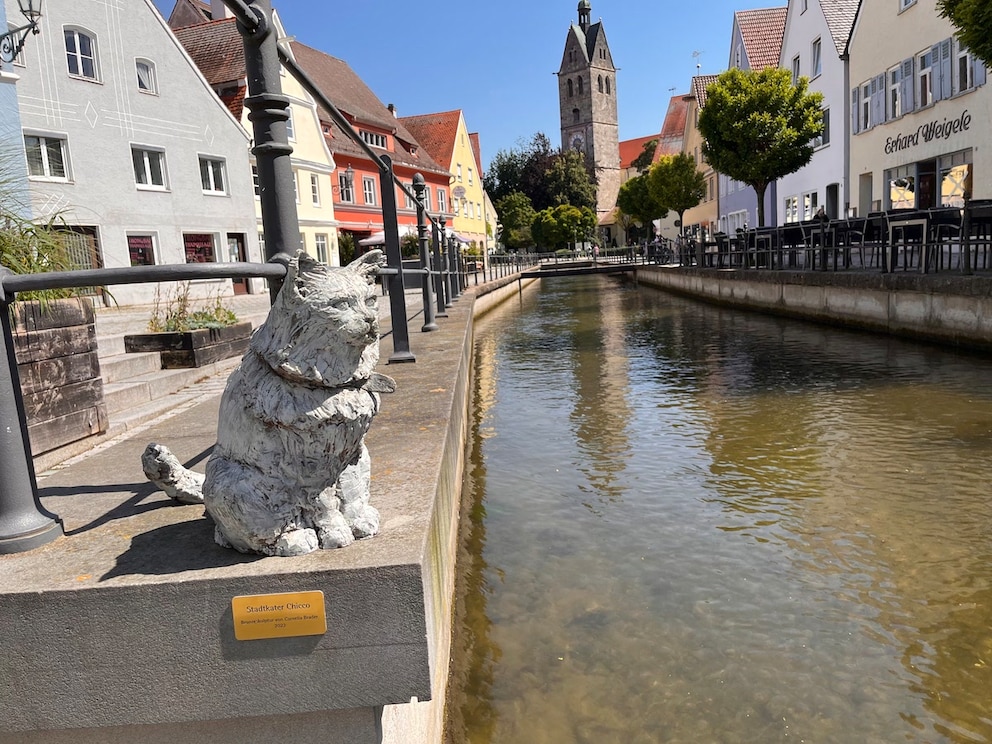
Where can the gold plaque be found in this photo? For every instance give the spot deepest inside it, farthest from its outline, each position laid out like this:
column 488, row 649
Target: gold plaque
column 278, row 615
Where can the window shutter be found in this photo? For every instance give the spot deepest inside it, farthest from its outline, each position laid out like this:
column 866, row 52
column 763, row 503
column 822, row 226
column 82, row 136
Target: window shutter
column 907, row 91
column 944, row 90
column 878, row 100
column 856, row 110
column 979, row 71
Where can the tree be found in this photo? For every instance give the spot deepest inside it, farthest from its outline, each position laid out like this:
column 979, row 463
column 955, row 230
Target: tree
column 636, row 199
column 675, row 183
column 516, row 215
column 504, row 175
column 567, row 181
column 973, row 20
column 643, row 161
column 558, row 226
column 757, row 127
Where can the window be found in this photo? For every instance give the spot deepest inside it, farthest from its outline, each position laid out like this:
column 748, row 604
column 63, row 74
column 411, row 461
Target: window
column 199, row 247
column 408, row 201
column 46, row 157
column 810, row 205
column 212, row 178
column 374, row 139
column 427, row 197
column 580, row 85
column 469, row 176
column 149, row 168
column 145, row 70
column 442, row 201
column 824, row 138
column 290, row 125
column 805, row 6
column 346, row 187
column 575, row 116
column 924, row 79
column 141, row 249
column 315, row 189
column 795, row 70
column 320, row 245
column 599, row 80
column 458, row 172
column 471, row 210
column 903, row 4
column 570, row 91
column 792, row 209
column 955, row 177
column 255, row 182
column 901, row 187
column 296, row 186
column 80, row 52
column 368, row 189
column 816, row 63
column 261, row 242
column 607, row 85
column 894, row 101
column 866, row 122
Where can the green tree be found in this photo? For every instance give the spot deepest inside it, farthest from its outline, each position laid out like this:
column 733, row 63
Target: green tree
column 643, row 161
column 504, row 176
column 675, row 183
column 757, row 127
column 636, row 199
column 567, row 181
column 516, row 215
column 973, row 20
column 558, row 226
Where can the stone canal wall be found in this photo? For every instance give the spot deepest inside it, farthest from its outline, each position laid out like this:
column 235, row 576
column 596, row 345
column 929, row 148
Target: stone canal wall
column 944, row 308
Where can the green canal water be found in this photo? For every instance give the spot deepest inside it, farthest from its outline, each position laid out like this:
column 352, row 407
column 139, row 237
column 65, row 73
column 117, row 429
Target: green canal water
column 688, row 524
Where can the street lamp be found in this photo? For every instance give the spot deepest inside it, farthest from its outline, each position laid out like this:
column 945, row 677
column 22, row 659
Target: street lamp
column 12, row 42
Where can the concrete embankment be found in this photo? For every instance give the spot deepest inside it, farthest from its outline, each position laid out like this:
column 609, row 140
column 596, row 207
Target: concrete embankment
column 123, row 629
column 943, row 308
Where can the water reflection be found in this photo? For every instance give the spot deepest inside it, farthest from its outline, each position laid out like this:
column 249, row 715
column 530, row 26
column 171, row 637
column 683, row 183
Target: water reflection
column 689, row 524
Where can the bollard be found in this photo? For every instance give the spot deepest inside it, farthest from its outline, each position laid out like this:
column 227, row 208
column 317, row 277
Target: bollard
column 419, row 187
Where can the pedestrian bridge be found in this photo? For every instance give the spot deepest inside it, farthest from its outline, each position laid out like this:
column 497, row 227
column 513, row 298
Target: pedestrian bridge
column 580, row 267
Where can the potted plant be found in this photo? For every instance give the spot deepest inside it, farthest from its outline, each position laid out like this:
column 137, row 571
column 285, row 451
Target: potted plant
column 188, row 337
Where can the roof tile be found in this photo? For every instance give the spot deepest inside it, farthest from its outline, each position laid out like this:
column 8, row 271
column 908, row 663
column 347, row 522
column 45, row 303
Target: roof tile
column 762, row 31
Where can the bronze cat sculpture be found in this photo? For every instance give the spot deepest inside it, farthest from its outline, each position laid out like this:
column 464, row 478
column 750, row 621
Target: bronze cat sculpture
column 290, row 471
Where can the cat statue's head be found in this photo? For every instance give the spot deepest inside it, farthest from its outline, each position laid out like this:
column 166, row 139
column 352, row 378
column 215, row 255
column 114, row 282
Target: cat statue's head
column 323, row 328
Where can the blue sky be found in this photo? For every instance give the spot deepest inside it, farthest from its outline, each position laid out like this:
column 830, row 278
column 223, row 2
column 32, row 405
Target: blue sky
column 496, row 61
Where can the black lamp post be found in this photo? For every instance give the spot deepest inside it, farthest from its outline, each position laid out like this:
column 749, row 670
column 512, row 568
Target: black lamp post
column 12, row 42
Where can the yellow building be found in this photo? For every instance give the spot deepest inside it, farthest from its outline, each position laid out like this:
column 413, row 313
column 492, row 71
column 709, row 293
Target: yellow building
column 446, row 138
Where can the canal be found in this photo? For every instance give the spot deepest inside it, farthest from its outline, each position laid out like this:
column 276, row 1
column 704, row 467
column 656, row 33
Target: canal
column 688, row 524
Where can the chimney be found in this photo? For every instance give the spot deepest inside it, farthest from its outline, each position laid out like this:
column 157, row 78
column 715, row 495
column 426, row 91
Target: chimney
column 392, row 110
column 219, row 10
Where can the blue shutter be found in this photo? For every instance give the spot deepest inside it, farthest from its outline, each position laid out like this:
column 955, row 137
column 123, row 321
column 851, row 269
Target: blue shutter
column 979, row 71
column 942, row 61
column 855, row 110
column 907, row 89
column 878, row 100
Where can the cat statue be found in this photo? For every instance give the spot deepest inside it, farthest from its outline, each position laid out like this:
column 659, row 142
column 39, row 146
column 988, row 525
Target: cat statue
column 290, row 471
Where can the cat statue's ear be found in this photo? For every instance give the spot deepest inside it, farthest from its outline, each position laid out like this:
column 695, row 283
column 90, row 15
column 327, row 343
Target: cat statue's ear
column 368, row 264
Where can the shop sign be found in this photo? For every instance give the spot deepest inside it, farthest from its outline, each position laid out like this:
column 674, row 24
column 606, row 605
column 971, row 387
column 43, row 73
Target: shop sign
column 937, row 129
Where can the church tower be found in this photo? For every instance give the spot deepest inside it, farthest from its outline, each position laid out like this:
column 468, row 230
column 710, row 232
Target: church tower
column 587, row 98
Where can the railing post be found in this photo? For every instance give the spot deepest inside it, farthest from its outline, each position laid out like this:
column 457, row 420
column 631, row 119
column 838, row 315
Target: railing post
column 453, row 268
column 394, row 259
column 966, row 236
column 424, row 243
column 449, row 297
column 24, row 523
column 438, row 275
column 268, row 113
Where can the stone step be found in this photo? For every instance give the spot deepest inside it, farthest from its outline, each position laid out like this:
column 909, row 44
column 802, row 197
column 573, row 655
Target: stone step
column 125, row 367
column 151, row 386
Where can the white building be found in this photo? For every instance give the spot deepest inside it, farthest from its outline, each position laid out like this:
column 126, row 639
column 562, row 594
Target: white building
column 127, row 142
column 815, row 46
column 920, row 109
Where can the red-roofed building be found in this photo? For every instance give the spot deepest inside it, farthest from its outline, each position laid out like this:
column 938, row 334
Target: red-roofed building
column 755, row 44
column 445, row 136
column 703, row 219
column 357, row 191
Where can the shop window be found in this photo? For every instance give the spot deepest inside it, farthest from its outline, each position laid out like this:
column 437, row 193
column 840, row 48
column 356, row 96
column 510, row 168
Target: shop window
column 901, row 187
column 811, row 202
column 141, row 250
column 791, row 209
column 199, row 247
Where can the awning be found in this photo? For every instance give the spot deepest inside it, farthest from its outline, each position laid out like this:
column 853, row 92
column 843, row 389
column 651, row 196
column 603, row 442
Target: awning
column 379, row 238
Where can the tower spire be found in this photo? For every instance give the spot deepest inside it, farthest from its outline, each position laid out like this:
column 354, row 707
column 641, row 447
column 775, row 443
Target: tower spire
column 585, row 13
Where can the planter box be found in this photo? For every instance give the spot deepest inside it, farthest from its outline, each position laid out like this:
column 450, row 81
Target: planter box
column 192, row 348
column 59, row 370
